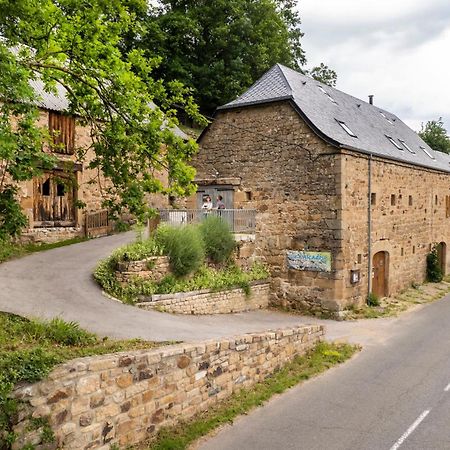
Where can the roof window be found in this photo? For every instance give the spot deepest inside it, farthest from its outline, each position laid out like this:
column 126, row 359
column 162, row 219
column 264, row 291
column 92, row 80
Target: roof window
column 391, row 140
column 346, row 128
column 427, row 152
column 410, row 150
column 327, row 94
column 384, row 115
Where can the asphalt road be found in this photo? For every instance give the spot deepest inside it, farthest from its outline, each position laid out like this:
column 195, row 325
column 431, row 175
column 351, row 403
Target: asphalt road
column 58, row 283
column 395, row 394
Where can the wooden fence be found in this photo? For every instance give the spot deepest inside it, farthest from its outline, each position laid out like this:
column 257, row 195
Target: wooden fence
column 98, row 223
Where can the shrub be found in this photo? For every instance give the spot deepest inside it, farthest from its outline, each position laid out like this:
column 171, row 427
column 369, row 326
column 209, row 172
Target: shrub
column 218, row 238
column 184, row 247
column 138, row 250
column 373, row 300
column 434, row 271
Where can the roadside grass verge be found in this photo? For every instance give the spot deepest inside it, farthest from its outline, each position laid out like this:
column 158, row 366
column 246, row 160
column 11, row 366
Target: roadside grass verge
column 318, row 360
column 29, row 349
column 392, row 306
column 10, row 250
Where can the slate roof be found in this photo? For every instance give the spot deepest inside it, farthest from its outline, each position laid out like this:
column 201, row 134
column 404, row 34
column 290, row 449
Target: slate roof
column 58, row 102
column 323, row 107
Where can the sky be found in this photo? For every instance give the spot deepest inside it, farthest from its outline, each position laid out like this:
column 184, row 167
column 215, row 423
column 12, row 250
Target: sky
column 397, row 50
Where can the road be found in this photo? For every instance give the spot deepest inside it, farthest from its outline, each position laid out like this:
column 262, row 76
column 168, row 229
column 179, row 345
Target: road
column 393, row 395
column 58, row 283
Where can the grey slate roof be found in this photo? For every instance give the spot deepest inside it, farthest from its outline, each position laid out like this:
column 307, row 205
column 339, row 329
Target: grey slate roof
column 58, row 102
column 323, row 107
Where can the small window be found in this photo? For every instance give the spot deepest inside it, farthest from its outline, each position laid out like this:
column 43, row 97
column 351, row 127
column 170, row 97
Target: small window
column 391, row 140
column 410, row 150
column 60, row 190
column 332, row 100
column 359, row 258
column 384, row 116
column 393, row 200
column 46, row 188
column 427, row 153
column 346, row 128
column 373, row 199
column 414, row 249
column 248, row 196
column 402, row 252
column 447, row 206
column 436, row 200
column 410, row 200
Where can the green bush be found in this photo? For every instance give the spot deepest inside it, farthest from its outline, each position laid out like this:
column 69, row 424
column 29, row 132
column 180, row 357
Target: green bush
column 184, row 247
column 434, row 271
column 138, row 250
column 373, row 300
column 218, row 238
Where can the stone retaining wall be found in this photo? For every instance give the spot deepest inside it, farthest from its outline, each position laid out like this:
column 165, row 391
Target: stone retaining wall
column 209, row 302
column 124, row 398
column 154, row 268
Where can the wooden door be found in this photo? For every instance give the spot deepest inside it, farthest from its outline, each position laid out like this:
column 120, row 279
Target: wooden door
column 442, row 256
column 379, row 274
column 54, row 200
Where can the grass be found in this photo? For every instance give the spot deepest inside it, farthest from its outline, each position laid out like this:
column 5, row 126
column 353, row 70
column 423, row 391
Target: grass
column 29, row 349
column 392, row 306
column 10, row 250
column 318, row 360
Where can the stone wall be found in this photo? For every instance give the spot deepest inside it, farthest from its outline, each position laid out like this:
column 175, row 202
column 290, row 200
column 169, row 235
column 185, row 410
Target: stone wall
column 404, row 226
column 209, row 302
column 123, row 399
column 293, row 179
column 154, row 268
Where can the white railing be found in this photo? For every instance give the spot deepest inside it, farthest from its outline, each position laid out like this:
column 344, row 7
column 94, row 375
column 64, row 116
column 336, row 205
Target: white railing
column 239, row 220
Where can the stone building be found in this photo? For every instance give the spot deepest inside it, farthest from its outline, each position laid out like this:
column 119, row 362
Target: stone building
column 349, row 199
column 50, row 202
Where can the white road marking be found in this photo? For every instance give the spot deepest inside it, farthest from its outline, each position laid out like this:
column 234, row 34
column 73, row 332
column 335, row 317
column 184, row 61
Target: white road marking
column 447, row 388
column 410, row 430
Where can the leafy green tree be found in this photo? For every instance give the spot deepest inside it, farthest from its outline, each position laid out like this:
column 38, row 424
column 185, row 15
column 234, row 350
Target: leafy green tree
column 77, row 44
column 435, row 135
column 219, row 48
column 323, row 74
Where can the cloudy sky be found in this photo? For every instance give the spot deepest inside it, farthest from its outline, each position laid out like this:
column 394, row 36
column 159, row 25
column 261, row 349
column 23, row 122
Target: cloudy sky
column 398, row 50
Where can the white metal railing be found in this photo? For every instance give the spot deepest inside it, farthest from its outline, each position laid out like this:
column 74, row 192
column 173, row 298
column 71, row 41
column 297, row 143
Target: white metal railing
column 239, row 220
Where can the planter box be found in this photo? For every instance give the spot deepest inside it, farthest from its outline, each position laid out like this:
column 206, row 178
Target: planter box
column 210, row 302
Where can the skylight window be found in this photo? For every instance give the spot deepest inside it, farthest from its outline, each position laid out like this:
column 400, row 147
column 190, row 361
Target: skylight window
column 384, row 115
column 327, row 94
column 391, row 140
column 410, row 150
column 428, row 153
column 346, row 128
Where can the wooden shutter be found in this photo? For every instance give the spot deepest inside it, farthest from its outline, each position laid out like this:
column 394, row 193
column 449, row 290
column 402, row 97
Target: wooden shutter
column 62, row 129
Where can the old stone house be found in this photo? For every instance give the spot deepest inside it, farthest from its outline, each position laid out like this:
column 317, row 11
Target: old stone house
column 50, row 202
column 349, row 199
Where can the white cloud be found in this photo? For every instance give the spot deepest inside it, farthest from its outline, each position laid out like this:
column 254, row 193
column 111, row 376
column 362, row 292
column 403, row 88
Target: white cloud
column 395, row 50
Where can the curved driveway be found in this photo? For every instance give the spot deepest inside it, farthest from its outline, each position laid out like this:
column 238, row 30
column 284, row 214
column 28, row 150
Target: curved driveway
column 59, row 283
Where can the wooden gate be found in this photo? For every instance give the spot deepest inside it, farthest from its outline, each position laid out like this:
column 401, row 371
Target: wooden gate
column 380, row 269
column 54, row 200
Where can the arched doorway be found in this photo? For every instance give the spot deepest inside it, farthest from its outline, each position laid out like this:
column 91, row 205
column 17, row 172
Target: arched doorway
column 380, row 274
column 441, row 249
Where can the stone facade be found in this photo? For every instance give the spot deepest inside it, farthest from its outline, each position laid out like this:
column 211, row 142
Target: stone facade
column 293, row 179
column 154, row 268
column 125, row 398
column 209, row 302
column 91, row 185
column 312, row 196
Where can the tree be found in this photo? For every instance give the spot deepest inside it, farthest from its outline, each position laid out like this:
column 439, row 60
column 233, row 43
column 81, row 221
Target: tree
column 77, row 44
column 219, row 48
column 435, row 135
column 324, row 74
